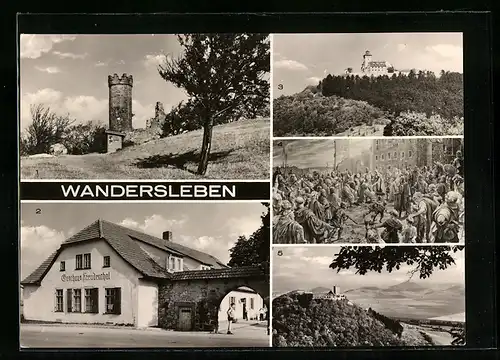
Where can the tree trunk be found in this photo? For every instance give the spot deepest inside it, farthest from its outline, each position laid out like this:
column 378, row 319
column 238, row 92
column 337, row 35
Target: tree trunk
column 205, row 147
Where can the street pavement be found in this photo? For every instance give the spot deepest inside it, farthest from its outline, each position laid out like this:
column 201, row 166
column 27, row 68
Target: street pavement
column 245, row 334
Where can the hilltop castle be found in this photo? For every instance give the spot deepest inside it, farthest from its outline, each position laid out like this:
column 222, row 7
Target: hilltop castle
column 375, row 68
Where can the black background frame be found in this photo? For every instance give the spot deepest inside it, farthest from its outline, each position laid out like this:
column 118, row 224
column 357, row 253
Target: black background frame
column 480, row 248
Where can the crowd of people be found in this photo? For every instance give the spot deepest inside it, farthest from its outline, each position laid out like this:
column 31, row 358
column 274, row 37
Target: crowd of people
column 408, row 205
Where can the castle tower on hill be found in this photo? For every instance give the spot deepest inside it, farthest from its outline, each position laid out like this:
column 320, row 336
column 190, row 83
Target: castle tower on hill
column 120, row 102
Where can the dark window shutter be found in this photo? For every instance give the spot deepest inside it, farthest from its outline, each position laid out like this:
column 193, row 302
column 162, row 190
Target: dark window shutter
column 118, row 301
column 94, row 295
column 69, row 301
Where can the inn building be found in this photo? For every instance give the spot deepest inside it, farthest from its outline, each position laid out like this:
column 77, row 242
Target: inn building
column 109, row 274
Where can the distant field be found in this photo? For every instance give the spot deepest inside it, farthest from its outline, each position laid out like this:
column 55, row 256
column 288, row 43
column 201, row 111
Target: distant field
column 453, row 317
column 414, row 308
column 240, row 150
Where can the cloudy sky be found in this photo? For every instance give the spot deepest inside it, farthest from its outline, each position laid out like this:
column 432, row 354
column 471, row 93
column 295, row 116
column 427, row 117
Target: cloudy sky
column 70, row 74
column 209, row 227
column 317, row 152
column 304, row 59
column 304, row 268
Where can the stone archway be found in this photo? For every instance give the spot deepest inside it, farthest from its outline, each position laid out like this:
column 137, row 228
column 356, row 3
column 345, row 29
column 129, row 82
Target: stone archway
column 263, row 291
column 202, row 292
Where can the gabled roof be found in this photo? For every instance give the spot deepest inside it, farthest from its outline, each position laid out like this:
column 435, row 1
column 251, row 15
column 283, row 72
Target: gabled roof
column 170, row 246
column 228, row 273
column 127, row 248
column 125, row 242
column 37, row 275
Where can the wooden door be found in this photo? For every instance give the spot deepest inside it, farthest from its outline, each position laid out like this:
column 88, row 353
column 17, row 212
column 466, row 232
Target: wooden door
column 185, row 319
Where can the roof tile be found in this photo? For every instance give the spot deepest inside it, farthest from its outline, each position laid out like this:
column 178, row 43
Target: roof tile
column 236, row 272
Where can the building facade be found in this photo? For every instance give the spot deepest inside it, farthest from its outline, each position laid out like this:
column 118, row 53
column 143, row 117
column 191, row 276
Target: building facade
column 369, row 67
column 394, row 153
column 109, row 274
column 402, row 153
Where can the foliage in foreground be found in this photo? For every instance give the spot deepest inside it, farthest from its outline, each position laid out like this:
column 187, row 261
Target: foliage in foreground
column 221, row 74
column 254, row 250
column 419, row 124
column 367, row 258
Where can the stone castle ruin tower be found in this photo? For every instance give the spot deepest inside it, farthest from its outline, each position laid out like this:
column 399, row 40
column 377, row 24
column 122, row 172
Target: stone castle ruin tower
column 120, row 111
column 120, row 102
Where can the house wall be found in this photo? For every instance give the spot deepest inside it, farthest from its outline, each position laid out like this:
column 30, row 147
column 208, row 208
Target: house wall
column 115, row 142
column 40, row 301
column 147, row 304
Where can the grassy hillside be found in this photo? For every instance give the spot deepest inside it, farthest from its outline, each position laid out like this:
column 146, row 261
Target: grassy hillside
column 240, row 150
column 323, row 323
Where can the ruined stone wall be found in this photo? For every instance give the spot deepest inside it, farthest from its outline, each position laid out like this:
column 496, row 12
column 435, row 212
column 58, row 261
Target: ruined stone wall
column 203, row 296
column 120, row 102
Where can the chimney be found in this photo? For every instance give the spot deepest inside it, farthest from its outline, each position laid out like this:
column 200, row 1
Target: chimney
column 167, row 235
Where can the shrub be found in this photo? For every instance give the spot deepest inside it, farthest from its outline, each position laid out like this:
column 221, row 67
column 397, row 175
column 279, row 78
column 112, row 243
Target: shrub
column 309, row 114
column 85, row 138
column 46, row 129
column 418, row 124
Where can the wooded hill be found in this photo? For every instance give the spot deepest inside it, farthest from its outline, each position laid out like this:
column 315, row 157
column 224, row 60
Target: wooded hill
column 408, row 105
column 326, row 323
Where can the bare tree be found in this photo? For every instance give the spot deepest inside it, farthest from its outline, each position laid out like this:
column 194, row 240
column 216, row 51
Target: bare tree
column 46, row 129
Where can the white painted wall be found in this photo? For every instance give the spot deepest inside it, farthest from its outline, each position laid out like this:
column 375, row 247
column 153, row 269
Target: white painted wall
column 147, row 304
column 39, row 301
column 238, row 295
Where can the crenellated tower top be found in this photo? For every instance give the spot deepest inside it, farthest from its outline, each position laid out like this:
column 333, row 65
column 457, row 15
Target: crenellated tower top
column 120, row 80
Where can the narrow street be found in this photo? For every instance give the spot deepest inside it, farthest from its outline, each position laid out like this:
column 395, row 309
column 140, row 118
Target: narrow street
column 247, row 334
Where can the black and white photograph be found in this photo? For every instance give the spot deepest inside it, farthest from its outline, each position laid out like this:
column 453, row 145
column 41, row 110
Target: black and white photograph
column 368, row 296
column 373, row 84
column 404, row 191
column 113, row 275
column 192, row 106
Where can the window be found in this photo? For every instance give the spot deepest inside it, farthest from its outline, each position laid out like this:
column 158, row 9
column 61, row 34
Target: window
column 402, row 154
column 113, row 301
column 252, row 303
column 382, row 156
column 77, row 300
column 69, row 297
column 106, row 261
column 376, row 157
column 79, row 262
column 388, row 156
column 395, row 155
column 179, row 264
column 86, row 261
column 172, row 263
column 409, row 153
column 92, row 301
column 205, row 267
column 232, row 300
column 62, row 266
column 59, row 300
